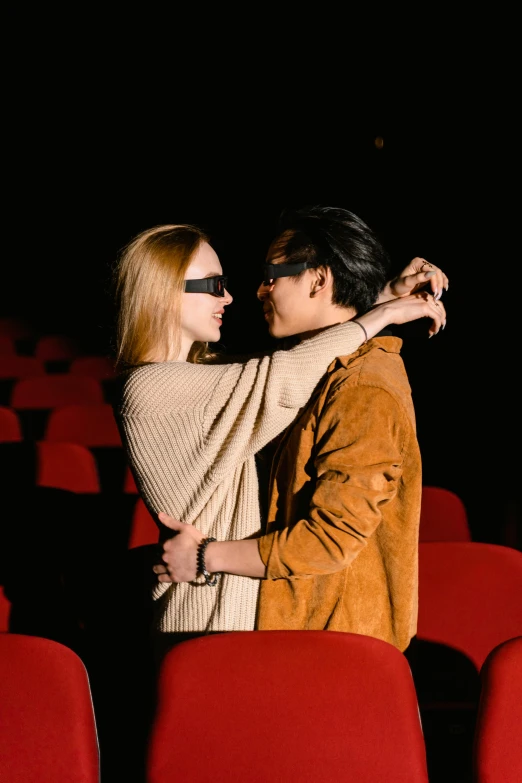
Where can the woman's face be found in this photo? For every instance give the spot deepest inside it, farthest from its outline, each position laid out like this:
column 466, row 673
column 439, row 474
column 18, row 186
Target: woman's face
column 202, row 314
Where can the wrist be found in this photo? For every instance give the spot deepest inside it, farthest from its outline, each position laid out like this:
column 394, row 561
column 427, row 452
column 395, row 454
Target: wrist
column 212, row 557
column 373, row 321
column 386, row 294
column 204, row 567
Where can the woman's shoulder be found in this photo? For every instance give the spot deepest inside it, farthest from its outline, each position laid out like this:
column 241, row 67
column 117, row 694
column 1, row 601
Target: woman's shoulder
column 161, row 386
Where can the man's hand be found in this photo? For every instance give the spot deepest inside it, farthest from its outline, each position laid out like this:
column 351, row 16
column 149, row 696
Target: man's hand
column 413, row 278
column 179, row 557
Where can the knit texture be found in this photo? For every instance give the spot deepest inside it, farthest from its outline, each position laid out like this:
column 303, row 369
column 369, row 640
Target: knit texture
column 191, row 432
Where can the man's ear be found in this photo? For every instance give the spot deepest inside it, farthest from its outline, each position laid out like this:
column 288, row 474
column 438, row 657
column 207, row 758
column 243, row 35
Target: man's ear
column 321, row 279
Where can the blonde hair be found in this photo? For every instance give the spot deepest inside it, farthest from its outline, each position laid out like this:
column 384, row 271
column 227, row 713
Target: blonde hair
column 149, row 282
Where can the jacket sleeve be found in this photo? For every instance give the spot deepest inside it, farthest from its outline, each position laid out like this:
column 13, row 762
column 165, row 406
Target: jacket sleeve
column 358, row 464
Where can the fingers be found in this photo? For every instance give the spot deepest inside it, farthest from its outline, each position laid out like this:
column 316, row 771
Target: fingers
column 437, row 313
column 174, row 524
column 162, row 572
column 422, row 304
column 416, row 276
column 427, row 272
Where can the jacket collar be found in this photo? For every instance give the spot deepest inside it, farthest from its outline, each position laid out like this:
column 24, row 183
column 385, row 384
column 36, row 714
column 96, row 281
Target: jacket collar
column 384, row 341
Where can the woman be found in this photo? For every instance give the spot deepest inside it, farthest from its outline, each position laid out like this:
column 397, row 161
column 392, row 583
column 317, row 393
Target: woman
column 192, row 425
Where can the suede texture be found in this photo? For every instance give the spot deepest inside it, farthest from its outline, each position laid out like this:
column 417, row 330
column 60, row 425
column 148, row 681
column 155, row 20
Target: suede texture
column 341, row 544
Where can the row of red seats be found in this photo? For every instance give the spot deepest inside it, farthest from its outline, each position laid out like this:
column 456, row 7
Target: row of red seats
column 20, row 366
column 49, row 731
column 88, row 423
column 66, row 459
column 43, row 347
column 18, row 337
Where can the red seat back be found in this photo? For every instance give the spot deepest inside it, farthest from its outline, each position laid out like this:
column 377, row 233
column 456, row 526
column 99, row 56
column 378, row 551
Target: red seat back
column 53, row 390
column 470, row 596
column 14, row 366
column 307, row 706
column 91, row 424
column 144, row 529
column 100, row 367
column 129, row 484
column 7, row 345
column 5, row 611
column 55, row 347
column 443, row 516
column 70, row 466
column 48, row 725
column 10, row 427
column 16, row 328
column 497, row 748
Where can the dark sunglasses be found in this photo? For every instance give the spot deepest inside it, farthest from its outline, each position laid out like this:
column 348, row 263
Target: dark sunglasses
column 273, row 271
column 207, row 285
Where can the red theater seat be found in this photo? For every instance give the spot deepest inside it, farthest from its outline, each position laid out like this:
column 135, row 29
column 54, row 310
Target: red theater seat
column 49, row 730
column 90, row 425
column 53, row 390
column 5, row 611
column 129, row 485
column 55, row 347
column 7, row 346
column 93, row 426
column 14, row 366
column 443, row 516
column 469, row 596
column 10, row 427
column 307, row 706
column 144, row 529
column 100, row 367
column 498, row 735
column 68, row 466
column 15, row 328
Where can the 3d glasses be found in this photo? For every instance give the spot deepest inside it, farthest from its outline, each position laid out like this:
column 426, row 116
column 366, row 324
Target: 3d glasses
column 273, row 271
column 207, row 285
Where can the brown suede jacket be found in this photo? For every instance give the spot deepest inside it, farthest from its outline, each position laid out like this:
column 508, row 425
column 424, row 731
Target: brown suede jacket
column 341, row 547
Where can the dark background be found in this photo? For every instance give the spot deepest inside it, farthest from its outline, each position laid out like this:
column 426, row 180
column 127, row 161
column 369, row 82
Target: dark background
column 85, row 170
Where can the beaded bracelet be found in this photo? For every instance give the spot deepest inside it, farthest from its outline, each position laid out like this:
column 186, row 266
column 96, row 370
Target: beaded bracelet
column 210, row 579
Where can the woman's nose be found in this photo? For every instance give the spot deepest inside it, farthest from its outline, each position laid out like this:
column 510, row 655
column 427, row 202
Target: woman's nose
column 228, row 297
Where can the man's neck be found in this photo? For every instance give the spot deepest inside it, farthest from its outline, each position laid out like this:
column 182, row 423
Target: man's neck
column 331, row 315
column 295, row 339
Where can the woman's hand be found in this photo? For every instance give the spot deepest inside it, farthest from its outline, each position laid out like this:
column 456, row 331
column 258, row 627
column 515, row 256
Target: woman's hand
column 402, row 310
column 180, row 553
column 416, row 276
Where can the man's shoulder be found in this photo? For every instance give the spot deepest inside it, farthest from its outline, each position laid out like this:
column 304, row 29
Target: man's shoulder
column 376, row 355
column 376, row 363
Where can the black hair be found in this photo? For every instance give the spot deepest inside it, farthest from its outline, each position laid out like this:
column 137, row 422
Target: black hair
column 339, row 239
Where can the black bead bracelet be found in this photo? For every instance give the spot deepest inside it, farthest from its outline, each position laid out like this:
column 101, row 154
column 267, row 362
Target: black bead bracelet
column 210, row 579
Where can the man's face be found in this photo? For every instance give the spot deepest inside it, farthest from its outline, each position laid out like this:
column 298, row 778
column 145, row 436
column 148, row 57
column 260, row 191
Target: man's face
column 288, row 304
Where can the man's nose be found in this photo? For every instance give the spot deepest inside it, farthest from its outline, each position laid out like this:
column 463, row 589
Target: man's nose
column 263, row 290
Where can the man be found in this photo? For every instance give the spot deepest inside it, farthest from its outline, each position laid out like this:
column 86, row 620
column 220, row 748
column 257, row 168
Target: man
column 340, row 547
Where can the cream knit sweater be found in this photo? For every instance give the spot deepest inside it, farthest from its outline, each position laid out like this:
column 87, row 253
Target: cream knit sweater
column 191, row 432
